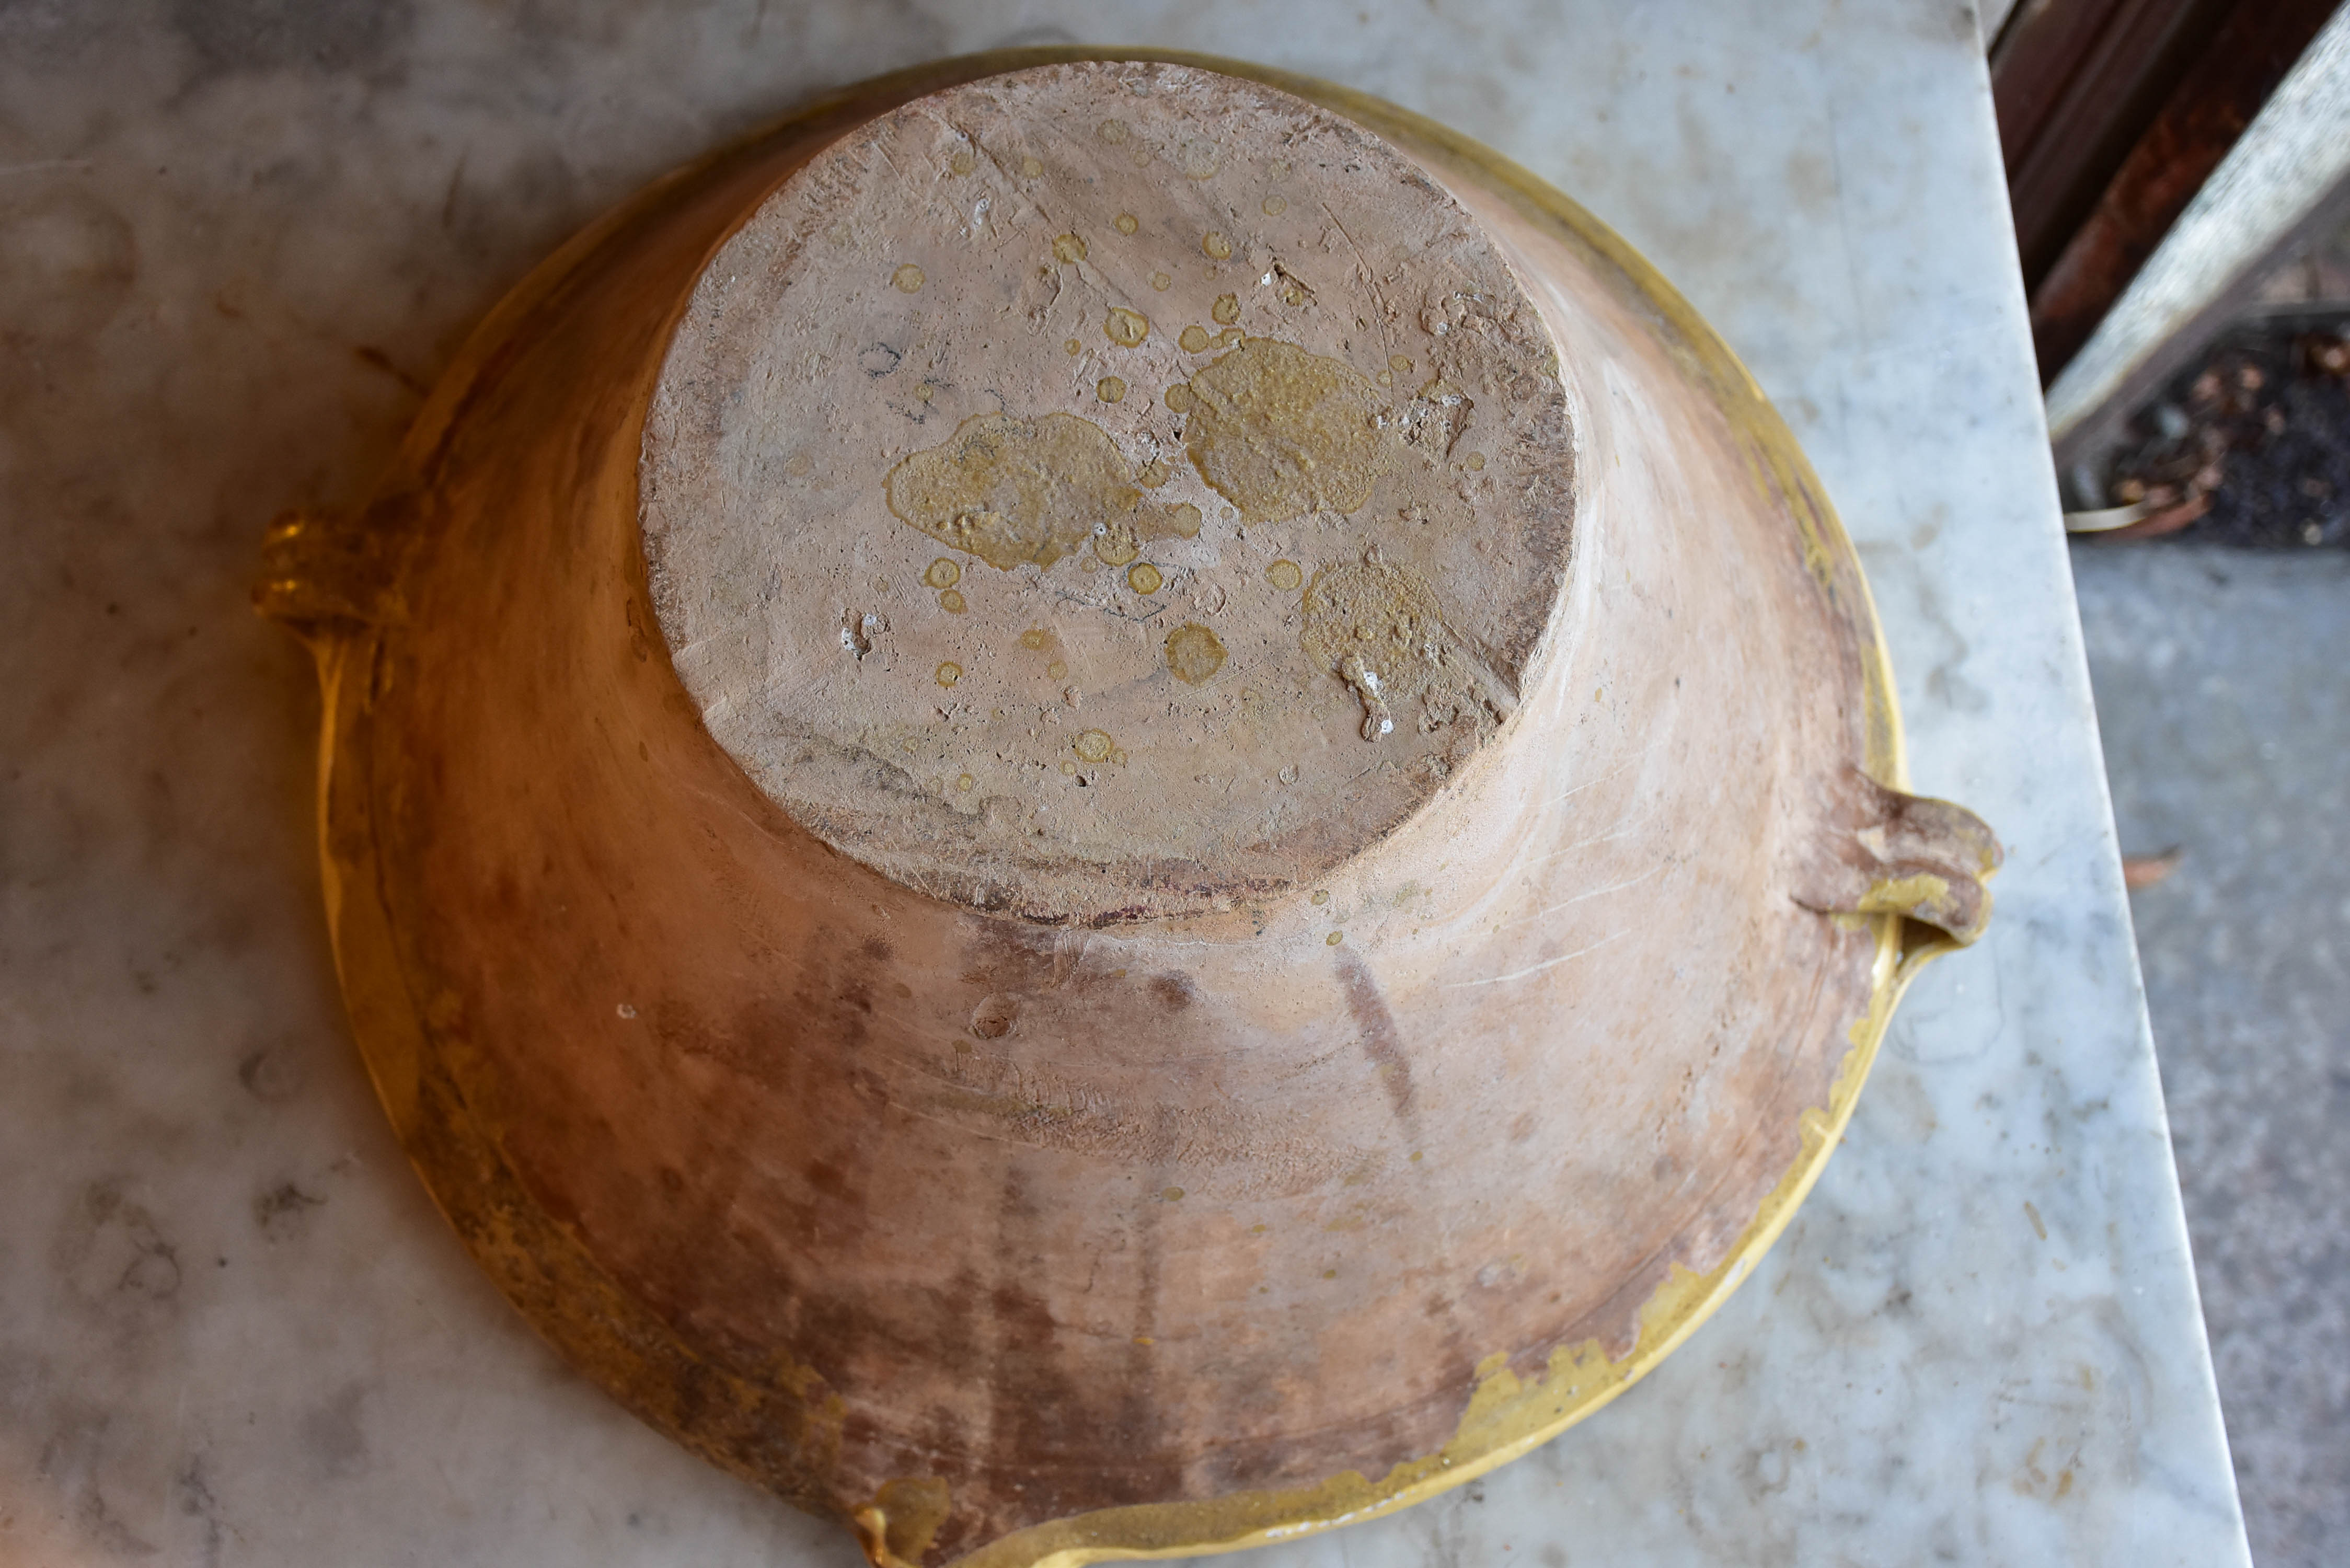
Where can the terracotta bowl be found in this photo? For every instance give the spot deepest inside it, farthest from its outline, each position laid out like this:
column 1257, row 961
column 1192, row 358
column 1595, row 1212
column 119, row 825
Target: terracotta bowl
column 1098, row 806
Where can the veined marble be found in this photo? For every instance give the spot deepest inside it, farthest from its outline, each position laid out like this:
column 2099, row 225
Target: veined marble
column 237, row 238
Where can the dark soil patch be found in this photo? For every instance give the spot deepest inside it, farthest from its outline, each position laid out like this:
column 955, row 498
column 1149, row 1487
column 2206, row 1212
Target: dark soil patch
column 2251, row 449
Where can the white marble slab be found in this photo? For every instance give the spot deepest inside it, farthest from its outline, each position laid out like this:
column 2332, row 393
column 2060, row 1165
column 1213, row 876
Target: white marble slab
column 236, row 236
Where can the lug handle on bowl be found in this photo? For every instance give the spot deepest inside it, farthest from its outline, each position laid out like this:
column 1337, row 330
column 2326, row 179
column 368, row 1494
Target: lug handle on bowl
column 326, row 573
column 1881, row 852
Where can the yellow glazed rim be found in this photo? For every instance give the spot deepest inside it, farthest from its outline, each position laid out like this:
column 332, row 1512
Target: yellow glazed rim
column 719, row 1414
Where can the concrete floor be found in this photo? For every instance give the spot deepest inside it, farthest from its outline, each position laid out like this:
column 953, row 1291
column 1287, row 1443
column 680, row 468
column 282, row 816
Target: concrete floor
column 2222, row 682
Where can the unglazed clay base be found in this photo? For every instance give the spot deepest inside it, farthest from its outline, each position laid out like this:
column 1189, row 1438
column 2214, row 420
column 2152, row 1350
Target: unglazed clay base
column 1161, row 439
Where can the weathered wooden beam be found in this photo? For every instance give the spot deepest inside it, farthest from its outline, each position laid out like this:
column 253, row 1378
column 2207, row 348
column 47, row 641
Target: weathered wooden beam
column 2075, row 83
column 2205, row 114
column 2280, row 182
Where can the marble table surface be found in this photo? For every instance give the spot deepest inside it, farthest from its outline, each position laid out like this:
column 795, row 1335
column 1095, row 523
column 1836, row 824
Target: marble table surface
column 239, row 237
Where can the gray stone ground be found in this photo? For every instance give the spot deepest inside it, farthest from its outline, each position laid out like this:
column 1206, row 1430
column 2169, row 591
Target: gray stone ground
column 2222, row 682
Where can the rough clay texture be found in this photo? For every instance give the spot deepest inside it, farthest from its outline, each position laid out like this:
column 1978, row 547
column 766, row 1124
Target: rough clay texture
column 1101, row 495
column 983, row 1221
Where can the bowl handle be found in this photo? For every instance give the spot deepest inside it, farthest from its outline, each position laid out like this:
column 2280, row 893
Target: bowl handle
column 1878, row 851
column 327, row 574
